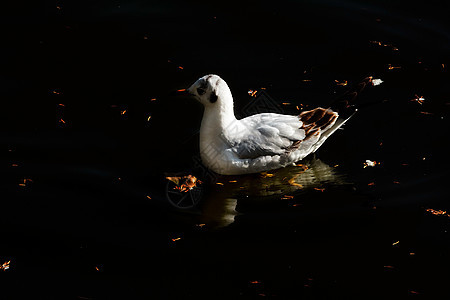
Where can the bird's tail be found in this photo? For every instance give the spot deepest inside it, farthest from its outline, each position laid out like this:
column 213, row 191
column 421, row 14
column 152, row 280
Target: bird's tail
column 325, row 122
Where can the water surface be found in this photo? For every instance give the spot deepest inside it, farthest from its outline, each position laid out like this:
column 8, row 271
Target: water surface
column 83, row 168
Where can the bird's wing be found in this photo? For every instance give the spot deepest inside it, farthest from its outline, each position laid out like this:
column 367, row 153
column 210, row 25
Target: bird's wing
column 276, row 134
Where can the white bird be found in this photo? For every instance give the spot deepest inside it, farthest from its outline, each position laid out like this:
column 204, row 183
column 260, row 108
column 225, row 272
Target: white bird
column 260, row 142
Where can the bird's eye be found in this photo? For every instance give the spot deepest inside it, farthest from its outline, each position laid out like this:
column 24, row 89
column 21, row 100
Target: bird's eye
column 201, row 91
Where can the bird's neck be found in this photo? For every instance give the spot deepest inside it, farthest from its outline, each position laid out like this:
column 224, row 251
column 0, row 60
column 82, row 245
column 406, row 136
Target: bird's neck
column 216, row 119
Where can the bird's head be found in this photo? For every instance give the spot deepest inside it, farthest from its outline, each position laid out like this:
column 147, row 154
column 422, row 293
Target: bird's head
column 211, row 90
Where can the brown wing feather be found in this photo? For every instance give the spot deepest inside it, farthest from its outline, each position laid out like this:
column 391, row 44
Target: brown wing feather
column 317, row 120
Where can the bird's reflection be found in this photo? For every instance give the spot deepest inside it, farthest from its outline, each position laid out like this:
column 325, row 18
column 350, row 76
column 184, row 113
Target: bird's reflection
column 219, row 205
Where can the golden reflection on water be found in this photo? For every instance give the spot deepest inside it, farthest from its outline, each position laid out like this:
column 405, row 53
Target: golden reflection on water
column 219, row 205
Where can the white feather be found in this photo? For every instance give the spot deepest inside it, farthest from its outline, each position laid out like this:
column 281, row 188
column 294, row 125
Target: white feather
column 254, row 144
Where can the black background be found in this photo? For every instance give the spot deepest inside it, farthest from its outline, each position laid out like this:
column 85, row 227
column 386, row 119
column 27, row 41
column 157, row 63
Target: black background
column 86, row 204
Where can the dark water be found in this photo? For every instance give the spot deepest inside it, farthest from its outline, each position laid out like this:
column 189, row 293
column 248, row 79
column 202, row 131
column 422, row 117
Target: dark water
column 74, row 193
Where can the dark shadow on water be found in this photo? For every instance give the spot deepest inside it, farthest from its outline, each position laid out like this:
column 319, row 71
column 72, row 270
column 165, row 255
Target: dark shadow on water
column 219, row 207
column 89, row 133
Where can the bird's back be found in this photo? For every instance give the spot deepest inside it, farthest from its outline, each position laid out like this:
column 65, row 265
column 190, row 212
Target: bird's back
column 276, row 134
